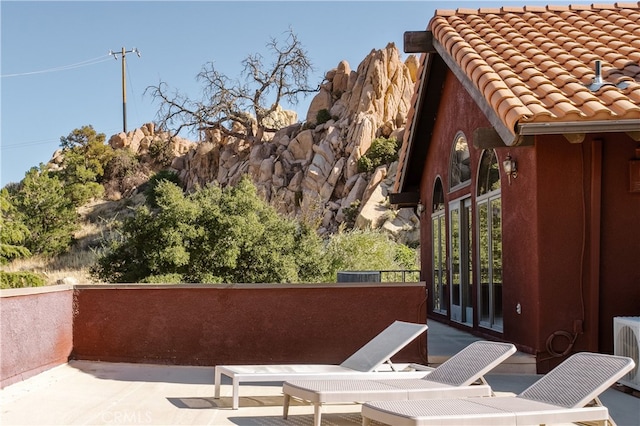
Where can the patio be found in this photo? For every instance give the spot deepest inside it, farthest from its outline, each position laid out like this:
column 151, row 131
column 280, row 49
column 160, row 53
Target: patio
column 100, row 393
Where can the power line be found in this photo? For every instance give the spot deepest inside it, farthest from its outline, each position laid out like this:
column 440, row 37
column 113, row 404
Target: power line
column 40, row 142
column 93, row 61
column 31, row 143
column 123, row 55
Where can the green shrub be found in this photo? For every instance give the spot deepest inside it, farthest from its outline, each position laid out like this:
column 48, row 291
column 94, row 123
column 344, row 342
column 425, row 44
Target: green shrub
column 367, row 250
column 323, row 116
column 365, row 165
column 123, row 163
column 20, row 280
column 212, row 235
column 80, row 193
column 163, row 279
column 406, row 257
column 160, row 152
column 382, row 151
column 163, row 175
column 85, row 156
column 13, row 233
column 46, row 210
column 351, row 213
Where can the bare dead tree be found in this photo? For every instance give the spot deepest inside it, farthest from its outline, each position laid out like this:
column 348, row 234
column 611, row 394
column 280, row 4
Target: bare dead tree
column 237, row 107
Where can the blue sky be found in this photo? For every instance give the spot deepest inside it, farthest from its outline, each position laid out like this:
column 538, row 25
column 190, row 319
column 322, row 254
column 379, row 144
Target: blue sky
column 57, row 75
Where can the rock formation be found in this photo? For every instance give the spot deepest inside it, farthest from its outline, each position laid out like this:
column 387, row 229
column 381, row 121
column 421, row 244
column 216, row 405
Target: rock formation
column 310, row 169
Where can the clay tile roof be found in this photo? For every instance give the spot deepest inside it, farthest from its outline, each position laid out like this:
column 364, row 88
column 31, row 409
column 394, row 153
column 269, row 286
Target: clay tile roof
column 537, row 63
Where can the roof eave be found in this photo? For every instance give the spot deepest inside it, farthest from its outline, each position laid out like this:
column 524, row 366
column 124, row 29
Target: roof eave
column 577, row 127
column 507, row 135
column 420, row 124
column 409, row 138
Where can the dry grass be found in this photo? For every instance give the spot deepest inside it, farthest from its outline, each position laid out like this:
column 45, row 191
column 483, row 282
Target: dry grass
column 70, row 265
column 97, row 221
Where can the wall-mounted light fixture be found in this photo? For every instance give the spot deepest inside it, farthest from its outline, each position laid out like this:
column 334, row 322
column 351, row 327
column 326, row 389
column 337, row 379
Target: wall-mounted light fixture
column 510, row 167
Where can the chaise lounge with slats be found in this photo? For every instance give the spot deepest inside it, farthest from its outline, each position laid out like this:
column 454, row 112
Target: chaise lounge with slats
column 462, row 375
column 567, row 394
column 371, row 361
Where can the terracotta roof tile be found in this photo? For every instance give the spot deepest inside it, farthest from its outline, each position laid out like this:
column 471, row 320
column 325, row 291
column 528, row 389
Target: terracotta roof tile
column 537, row 63
column 514, row 114
column 554, row 72
column 582, row 96
column 625, row 107
column 515, row 9
column 557, row 8
column 538, row 110
column 611, row 96
column 489, row 10
column 596, row 109
column 556, row 98
column 529, row 99
column 565, row 109
column 633, row 92
column 462, row 11
column 512, row 111
column 484, row 79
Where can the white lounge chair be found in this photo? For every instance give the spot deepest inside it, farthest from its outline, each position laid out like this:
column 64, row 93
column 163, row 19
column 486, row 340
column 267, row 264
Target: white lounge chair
column 462, row 375
column 567, row 394
column 366, row 363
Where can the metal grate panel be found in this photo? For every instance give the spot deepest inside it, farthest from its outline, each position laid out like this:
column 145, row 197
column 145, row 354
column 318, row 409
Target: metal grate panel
column 472, row 362
column 626, row 342
column 578, row 380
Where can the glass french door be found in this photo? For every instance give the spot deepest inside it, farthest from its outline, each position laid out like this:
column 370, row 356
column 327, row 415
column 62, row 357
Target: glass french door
column 439, row 250
column 490, row 262
column 460, row 261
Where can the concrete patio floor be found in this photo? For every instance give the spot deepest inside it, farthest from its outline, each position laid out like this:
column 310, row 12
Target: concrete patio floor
column 96, row 393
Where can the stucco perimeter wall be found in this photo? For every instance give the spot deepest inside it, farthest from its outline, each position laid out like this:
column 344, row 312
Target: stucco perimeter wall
column 241, row 324
column 35, row 331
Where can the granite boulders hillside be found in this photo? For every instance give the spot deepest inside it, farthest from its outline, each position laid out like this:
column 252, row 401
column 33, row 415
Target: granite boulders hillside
column 310, row 168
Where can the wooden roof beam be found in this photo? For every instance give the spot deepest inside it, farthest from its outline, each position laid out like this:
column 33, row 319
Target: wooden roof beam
column 404, row 199
column 488, row 138
column 418, row 42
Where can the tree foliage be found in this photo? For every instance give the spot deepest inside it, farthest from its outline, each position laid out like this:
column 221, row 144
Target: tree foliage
column 213, row 235
column 236, row 107
column 382, row 151
column 46, row 211
column 152, row 184
column 231, row 235
column 123, row 173
column 13, row 233
column 368, row 250
column 39, row 214
column 85, row 156
column 20, row 280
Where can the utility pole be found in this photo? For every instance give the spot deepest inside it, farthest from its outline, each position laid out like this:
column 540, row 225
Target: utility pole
column 123, row 53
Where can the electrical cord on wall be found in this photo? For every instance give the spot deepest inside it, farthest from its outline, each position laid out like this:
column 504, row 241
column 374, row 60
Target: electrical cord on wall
column 572, row 337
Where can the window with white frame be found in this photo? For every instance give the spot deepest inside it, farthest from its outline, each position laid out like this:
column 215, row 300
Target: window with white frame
column 489, row 223
column 460, row 163
column 439, row 251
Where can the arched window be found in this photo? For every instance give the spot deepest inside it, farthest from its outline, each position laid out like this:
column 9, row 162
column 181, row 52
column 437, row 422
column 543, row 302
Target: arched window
column 439, row 250
column 460, row 165
column 438, row 197
column 489, row 223
column 488, row 173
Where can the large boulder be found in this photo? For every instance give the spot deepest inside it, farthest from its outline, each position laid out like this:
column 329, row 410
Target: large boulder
column 321, row 101
column 309, row 168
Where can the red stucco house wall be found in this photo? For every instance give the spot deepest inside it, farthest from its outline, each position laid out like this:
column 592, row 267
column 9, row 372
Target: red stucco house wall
column 570, row 227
